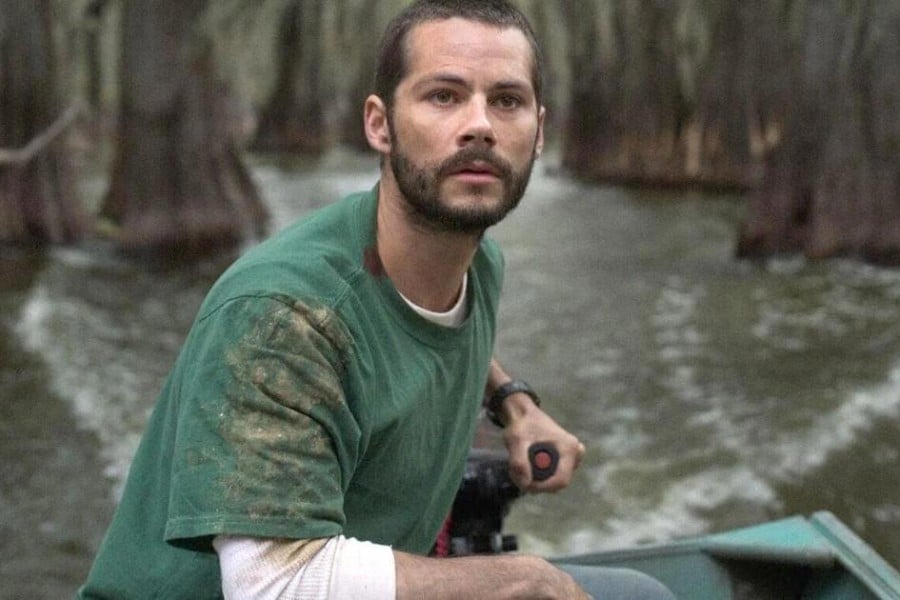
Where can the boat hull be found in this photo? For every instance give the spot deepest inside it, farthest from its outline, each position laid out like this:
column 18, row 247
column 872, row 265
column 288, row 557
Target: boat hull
column 815, row 558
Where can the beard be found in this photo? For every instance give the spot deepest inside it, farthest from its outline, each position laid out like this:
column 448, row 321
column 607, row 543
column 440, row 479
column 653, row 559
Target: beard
column 421, row 187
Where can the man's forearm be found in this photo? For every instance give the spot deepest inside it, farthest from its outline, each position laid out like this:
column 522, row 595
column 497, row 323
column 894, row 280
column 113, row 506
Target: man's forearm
column 515, row 405
column 497, row 577
column 497, row 376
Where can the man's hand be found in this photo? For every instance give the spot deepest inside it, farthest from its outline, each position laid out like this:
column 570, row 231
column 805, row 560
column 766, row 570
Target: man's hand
column 498, row 577
column 526, row 425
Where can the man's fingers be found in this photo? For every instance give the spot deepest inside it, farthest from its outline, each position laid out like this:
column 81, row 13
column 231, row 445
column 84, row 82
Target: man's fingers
column 579, row 454
column 520, row 473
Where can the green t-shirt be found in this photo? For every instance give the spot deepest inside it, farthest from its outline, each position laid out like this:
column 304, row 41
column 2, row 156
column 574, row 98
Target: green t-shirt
column 309, row 400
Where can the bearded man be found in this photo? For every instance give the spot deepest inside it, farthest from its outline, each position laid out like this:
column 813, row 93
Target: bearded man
column 312, row 435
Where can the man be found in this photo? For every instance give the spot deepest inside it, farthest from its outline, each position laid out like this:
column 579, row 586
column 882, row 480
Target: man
column 310, row 438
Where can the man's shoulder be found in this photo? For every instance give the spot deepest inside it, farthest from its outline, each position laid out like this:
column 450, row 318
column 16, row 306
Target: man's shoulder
column 333, row 229
column 316, row 256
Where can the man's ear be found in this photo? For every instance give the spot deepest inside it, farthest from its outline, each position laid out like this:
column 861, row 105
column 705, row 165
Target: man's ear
column 376, row 122
column 539, row 142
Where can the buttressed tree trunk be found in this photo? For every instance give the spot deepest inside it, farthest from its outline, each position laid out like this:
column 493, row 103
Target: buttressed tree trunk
column 589, row 124
column 178, row 186
column 38, row 204
column 294, row 119
column 717, row 137
column 352, row 132
column 628, row 108
column 673, row 93
column 93, row 19
column 833, row 188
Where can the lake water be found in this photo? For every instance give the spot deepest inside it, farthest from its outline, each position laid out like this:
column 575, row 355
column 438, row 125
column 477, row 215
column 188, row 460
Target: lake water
column 711, row 393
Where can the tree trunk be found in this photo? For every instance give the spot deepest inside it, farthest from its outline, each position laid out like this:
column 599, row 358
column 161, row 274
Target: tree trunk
column 627, row 108
column 93, row 19
column 670, row 93
column 833, row 188
column 178, row 186
column 366, row 48
column 543, row 16
column 38, row 203
column 717, row 137
column 588, row 124
column 294, row 118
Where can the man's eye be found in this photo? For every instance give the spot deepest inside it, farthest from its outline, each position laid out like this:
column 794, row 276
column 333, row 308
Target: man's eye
column 508, row 101
column 442, row 97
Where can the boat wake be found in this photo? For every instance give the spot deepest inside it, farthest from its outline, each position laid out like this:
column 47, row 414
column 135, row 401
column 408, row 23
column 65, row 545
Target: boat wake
column 736, row 455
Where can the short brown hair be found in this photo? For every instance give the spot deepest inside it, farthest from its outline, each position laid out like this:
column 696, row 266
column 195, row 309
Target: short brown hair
column 392, row 58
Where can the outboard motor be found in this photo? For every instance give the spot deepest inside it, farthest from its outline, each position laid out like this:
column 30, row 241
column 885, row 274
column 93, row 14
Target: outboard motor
column 475, row 524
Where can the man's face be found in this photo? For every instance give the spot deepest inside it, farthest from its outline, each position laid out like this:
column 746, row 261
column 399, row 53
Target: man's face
column 465, row 126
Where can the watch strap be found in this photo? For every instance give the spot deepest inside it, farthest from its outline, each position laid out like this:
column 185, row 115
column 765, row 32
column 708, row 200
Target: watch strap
column 494, row 404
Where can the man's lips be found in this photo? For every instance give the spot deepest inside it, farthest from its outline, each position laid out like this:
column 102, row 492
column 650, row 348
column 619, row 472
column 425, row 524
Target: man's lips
column 479, row 168
column 475, row 166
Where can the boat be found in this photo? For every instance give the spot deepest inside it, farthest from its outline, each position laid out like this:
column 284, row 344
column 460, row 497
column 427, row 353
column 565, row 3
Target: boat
column 805, row 558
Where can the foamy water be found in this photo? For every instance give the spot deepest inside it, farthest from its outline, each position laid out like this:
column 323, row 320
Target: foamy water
column 687, row 502
column 706, row 390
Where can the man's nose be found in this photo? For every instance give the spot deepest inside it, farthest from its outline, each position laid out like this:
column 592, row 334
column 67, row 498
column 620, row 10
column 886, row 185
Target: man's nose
column 477, row 128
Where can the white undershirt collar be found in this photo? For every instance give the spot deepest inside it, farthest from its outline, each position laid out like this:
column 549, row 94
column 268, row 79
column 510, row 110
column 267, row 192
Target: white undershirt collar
column 453, row 317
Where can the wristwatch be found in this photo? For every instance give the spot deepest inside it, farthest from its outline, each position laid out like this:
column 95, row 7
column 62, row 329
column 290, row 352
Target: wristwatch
column 494, row 404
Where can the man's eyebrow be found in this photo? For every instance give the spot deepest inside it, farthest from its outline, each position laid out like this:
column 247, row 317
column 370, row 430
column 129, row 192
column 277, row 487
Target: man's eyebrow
column 512, row 84
column 520, row 85
column 447, row 78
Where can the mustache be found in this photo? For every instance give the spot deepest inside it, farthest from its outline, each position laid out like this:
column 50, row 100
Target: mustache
column 469, row 155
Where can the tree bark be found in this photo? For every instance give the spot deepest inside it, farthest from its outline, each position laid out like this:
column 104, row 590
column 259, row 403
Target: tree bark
column 352, row 132
column 673, row 93
column 717, row 136
column 93, row 18
column 627, row 109
column 38, row 203
column 178, row 186
column 588, row 130
column 833, row 188
column 294, row 118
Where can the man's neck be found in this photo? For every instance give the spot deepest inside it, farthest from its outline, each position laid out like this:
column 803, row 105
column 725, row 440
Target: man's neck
column 426, row 266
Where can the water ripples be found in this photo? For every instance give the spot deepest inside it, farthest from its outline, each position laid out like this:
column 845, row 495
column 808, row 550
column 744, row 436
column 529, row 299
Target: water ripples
column 710, row 393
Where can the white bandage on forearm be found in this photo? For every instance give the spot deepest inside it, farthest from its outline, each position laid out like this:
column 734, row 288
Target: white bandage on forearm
column 335, row 569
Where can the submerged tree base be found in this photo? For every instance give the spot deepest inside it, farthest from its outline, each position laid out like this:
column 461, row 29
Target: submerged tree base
column 179, row 187
column 38, row 203
column 670, row 178
column 164, row 251
column 833, row 187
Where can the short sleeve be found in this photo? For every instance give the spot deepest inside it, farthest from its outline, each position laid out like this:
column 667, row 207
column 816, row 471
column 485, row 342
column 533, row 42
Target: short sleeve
column 265, row 442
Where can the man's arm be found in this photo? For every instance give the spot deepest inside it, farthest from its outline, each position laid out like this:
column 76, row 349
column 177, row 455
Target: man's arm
column 525, row 424
column 336, row 568
column 503, row 577
column 346, row 569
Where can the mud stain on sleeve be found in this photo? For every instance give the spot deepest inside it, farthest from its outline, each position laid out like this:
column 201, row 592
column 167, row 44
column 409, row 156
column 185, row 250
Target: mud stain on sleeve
column 284, row 403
